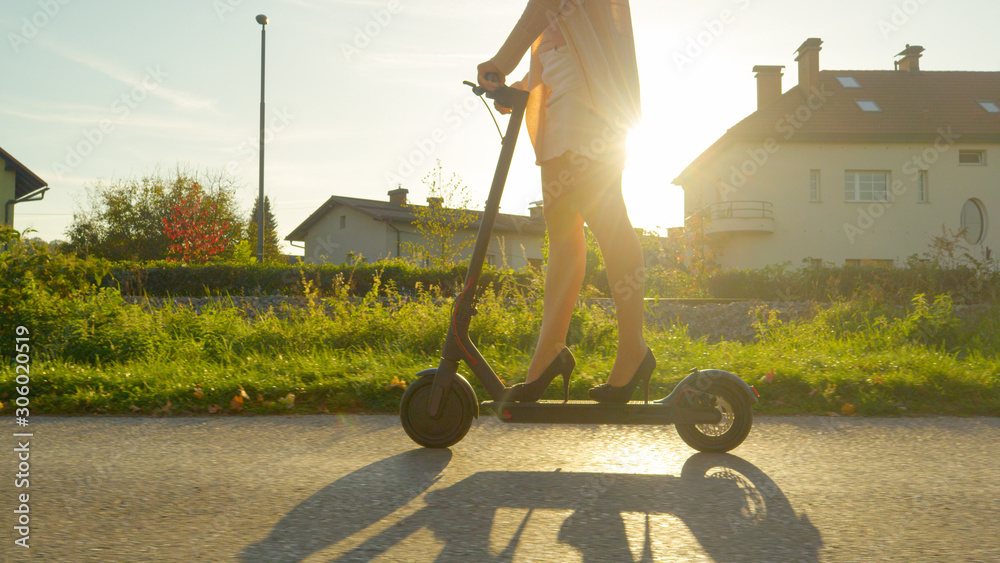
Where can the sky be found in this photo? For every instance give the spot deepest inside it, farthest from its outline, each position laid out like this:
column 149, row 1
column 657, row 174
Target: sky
column 362, row 95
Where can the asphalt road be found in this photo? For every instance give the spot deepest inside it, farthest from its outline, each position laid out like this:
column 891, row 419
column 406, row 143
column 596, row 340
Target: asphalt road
column 355, row 488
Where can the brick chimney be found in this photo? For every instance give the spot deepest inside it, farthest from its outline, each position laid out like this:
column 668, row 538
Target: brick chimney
column 536, row 212
column 435, row 202
column 911, row 58
column 398, row 196
column 808, row 58
column 768, row 84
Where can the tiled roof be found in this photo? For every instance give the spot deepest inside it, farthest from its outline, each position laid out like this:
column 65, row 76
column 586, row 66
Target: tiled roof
column 916, row 107
column 396, row 213
column 26, row 181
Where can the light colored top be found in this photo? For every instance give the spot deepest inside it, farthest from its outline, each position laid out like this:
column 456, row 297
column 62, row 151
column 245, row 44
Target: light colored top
column 598, row 34
column 552, row 37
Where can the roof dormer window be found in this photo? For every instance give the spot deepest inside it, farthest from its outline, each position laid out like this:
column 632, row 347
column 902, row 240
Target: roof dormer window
column 848, row 82
column 990, row 107
column 867, row 105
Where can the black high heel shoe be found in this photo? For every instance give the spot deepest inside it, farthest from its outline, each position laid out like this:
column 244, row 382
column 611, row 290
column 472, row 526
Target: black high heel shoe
column 563, row 364
column 606, row 393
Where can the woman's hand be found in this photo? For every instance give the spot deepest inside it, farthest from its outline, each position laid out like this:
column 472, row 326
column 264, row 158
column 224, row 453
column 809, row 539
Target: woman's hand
column 519, row 85
column 489, row 68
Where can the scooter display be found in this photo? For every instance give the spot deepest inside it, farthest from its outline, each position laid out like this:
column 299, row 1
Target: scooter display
column 711, row 409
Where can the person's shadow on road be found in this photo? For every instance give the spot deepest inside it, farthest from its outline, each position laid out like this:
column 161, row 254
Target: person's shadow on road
column 734, row 510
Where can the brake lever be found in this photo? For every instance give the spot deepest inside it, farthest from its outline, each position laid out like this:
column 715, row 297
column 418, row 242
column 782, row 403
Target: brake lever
column 476, row 89
column 480, row 90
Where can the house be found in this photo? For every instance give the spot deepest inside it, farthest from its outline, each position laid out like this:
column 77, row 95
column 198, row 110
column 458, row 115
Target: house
column 17, row 185
column 346, row 228
column 852, row 166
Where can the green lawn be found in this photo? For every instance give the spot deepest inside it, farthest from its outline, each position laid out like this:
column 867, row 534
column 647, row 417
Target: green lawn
column 99, row 355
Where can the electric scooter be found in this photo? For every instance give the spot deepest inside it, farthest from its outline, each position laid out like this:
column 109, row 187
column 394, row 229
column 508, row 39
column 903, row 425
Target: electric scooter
column 711, row 409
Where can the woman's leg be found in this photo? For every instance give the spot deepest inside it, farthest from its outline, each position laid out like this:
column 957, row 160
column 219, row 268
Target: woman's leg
column 566, row 264
column 602, row 207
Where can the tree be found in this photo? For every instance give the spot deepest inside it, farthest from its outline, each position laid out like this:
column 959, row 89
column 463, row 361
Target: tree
column 271, row 251
column 438, row 224
column 124, row 218
column 701, row 252
column 193, row 229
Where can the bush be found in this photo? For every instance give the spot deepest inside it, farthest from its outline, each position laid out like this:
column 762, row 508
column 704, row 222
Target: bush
column 963, row 284
column 162, row 279
column 101, row 327
column 38, row 289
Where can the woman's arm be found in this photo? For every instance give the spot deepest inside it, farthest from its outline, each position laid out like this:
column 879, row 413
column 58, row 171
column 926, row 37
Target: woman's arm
column 537, row 16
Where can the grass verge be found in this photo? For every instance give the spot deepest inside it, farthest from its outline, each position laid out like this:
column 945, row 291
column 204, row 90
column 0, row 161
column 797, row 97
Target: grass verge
column 851, row 359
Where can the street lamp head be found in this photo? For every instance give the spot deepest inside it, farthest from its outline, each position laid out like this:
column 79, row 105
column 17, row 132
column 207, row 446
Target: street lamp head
column 261, row 19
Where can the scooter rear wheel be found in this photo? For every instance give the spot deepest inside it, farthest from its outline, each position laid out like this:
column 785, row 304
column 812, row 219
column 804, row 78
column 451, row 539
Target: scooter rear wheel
column 444, row 431
column 737, row 419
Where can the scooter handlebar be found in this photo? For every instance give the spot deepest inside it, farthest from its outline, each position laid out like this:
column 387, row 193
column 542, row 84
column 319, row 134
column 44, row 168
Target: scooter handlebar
column 504, row 95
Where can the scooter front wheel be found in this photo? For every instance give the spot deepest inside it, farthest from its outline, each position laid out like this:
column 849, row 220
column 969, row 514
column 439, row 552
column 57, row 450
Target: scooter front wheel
column 443, row 431
column 737, row 419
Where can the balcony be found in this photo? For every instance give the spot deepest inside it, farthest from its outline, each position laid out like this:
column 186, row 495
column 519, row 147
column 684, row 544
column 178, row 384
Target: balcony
column 738, row 217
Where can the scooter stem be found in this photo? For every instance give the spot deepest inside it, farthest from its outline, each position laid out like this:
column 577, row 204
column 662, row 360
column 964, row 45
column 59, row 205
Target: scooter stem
column 457, row 345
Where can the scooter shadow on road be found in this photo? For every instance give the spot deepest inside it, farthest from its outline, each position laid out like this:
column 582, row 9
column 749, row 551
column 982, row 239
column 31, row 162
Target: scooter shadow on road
column 350, row 504
column 734, row 510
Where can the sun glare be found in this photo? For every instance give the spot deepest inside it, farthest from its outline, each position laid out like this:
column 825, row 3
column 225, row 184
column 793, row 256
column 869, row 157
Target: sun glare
column 653, row 202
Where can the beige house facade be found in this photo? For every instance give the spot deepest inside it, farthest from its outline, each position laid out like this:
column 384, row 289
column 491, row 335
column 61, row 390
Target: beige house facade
column 345, row 229
column 853, row 167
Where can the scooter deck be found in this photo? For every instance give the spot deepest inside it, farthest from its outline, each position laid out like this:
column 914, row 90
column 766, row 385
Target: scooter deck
column 590, row 412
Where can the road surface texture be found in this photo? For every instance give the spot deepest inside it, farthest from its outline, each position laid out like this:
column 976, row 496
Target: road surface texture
column 355, row 488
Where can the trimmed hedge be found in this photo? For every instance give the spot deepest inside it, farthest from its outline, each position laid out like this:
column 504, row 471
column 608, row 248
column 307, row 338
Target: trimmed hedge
column 162, row 279
column 890, row 285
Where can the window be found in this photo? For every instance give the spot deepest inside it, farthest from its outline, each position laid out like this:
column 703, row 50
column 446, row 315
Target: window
column 848, row 82
column 974, row 158
column 990, row 107
column 867, row 105
column 814, row 186
column 973, row 221
column 922, row 186
column 343, row 221
column 866, row 186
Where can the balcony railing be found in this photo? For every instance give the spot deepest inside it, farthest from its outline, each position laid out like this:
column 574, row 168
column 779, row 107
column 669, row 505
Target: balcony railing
column 738, row 216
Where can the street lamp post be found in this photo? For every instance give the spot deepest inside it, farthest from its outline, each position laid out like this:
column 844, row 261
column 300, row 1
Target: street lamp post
column 262, row 20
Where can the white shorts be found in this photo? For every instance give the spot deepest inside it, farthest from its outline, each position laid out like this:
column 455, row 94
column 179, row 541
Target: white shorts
column 569, row 123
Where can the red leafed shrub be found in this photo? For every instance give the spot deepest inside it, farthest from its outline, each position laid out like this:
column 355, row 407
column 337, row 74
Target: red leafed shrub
column 195, row 236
